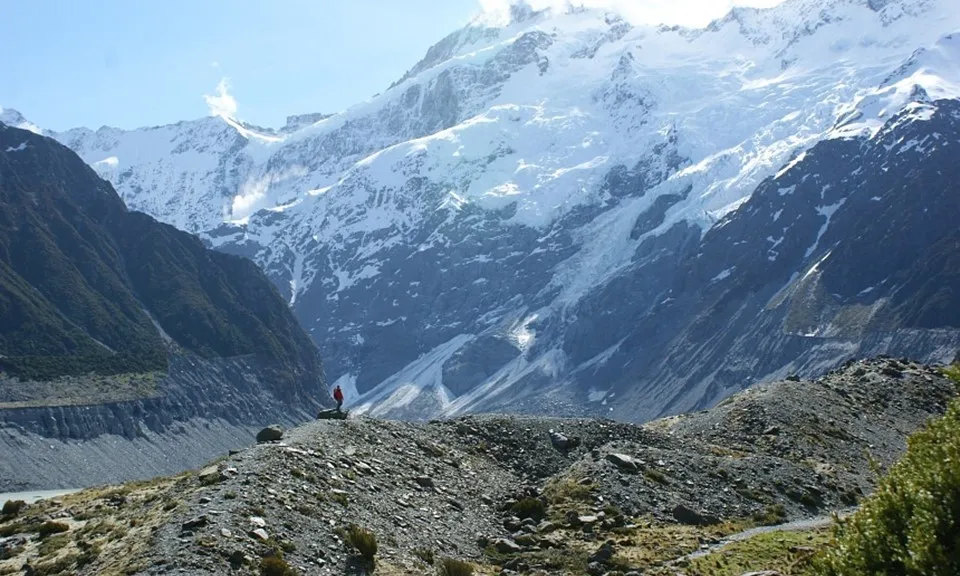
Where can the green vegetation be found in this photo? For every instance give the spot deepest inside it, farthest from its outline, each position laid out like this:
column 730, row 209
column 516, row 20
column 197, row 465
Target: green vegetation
column 656, row 476
column 771, row 515
column 425, row 554
column 276, row 566
column 363, row 541
column 567, row 490
column 909, row 526
column 953, row 372
column 53, row 544
column 12, row 507
column 453, row 567
column 529, row 508
column 83, row 281
column 789, row 553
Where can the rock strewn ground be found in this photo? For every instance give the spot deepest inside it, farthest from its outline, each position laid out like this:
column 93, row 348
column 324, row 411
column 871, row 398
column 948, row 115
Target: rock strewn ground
column 509, row 494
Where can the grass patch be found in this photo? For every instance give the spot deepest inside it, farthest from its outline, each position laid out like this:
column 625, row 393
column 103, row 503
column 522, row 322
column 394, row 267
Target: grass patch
column 656, row 476
column 62, row 565
column 453, row 567
column 52, row 545
column 789, row 553
column 953, row 373
column 568, row 489
column 50, row 528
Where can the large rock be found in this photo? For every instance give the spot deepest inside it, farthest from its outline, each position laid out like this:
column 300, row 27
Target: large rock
column 685, row 515
column 332, row 414
column 270, row 434
column 604, row 554
column 506, row 546
column 623, row 462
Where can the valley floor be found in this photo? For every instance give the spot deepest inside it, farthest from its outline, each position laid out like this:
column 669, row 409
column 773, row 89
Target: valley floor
column 508, row 494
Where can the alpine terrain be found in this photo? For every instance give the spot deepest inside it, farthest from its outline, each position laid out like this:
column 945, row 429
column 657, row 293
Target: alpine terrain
column 562, row 212
column 127, row 348
column 746, row 486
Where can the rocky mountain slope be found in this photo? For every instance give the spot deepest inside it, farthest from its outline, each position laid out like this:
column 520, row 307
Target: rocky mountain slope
column 506, row 493
column 567, row 213
column 112, row 323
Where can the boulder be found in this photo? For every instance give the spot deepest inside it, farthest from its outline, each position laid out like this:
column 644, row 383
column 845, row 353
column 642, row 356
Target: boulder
column 587, row 520
column 260, row 534
column 270, row 434
column 211, row 475
column 506, row 546
column 424, row 481
column 562, row 442
column 604, row 554
column 194, row 523
column 332, row 414
column 623, row 462
column 546, row 527
column 690, row 517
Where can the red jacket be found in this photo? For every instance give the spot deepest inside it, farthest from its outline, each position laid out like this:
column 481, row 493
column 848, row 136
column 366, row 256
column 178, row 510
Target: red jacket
column 338, row 395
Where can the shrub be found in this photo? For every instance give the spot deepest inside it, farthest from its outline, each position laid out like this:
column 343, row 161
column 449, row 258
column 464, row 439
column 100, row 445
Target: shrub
column 424, row 554
column 453, row 567
column 49, row 528
column 910, row 524
column 657, row 476
column 363, row 540
column 771, row 515
column 276, row 566
column 13, row 507
column 529, row 508
column 558, row 491
column 953, row 373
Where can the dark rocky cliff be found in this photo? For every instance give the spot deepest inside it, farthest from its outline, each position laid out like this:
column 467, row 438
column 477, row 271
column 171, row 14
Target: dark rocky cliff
column 114, row 324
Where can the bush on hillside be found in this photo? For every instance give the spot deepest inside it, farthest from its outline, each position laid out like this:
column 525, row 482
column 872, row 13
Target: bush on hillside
column 276, row 566
column 364, row 541
column 910, row 525
column 454, row 567
column 529, row 508
column 13, row 507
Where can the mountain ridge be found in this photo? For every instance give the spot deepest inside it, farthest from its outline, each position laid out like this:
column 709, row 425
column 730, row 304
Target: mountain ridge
column 117, row 330
column 583, row 154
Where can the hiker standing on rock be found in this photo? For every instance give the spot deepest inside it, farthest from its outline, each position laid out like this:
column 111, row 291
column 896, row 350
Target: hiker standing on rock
column 338, row 396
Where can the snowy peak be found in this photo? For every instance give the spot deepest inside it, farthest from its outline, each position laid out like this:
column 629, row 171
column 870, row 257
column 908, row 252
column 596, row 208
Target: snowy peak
column 13, row 118
column 527, row 191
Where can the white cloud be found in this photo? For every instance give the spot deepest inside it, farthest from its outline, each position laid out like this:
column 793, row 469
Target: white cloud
column 223, row 104
column 683, row 12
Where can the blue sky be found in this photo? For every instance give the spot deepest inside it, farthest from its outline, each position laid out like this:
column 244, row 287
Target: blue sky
column 131, row 63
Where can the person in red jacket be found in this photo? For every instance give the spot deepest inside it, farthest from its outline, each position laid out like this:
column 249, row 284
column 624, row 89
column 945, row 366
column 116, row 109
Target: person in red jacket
column 338, row 396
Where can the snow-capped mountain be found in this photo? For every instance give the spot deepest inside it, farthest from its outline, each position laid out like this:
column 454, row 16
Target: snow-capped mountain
column 524, row 220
